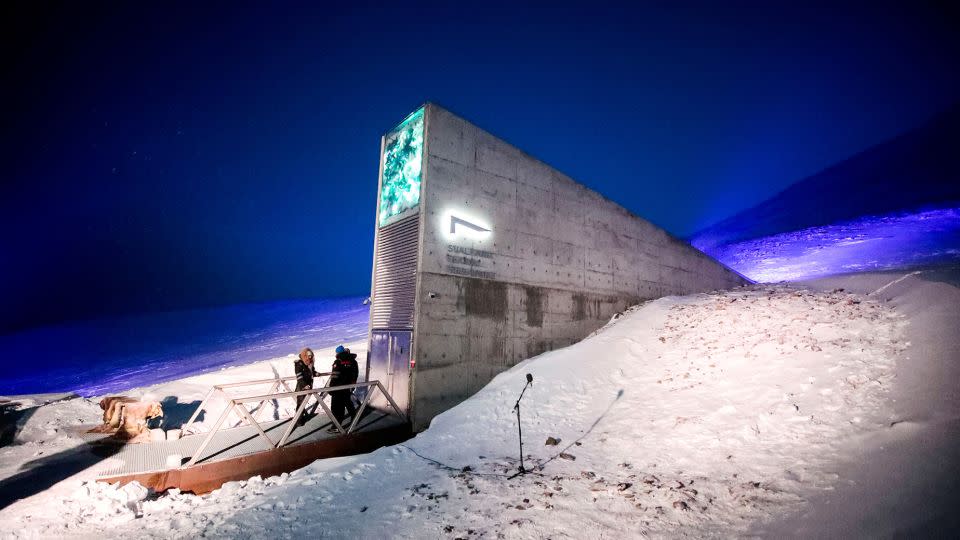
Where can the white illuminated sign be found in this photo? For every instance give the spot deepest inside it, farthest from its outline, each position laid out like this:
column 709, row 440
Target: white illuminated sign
column 454, row 221
column 458, row 224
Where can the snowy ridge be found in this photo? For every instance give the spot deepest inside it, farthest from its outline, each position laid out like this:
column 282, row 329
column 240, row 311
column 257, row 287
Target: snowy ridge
column 698, row 416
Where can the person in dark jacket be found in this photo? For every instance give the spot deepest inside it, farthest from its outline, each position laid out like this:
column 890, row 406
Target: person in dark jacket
column 345, row 371
column 305, row 374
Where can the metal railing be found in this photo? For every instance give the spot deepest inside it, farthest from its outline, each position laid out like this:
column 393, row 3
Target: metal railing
column 238, row 406
column 219, row 388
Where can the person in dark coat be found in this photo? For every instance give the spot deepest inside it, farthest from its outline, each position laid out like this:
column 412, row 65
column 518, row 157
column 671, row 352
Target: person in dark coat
column 305, row 374
column 345, row 371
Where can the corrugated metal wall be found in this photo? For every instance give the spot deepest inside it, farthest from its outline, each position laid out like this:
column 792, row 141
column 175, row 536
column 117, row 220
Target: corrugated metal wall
column 395, row 275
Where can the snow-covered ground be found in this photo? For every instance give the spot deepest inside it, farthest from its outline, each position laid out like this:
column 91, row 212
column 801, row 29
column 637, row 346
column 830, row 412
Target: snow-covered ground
column 43, row 443
column 103, row 356
column 868, row 243
column 711, row 415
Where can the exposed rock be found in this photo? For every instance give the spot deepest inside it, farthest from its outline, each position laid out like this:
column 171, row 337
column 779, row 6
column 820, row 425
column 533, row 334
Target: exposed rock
column 552, row 441
column 564, row 455
column 112, row 413
column 133, row 424
column 680, row 505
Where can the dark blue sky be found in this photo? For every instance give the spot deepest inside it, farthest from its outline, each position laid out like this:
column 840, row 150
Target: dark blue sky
column 175, row 155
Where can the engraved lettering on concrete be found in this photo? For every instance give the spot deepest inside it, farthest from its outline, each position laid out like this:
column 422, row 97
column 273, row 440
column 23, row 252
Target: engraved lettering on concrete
column 469, row 251
column 470, row 272
column 470, row 262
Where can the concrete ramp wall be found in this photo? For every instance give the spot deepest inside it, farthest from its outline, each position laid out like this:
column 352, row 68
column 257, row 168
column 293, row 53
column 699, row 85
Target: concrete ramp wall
column 516, row 259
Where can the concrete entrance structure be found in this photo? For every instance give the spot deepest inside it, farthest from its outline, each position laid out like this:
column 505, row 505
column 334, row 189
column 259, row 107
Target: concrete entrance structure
column 486, row 256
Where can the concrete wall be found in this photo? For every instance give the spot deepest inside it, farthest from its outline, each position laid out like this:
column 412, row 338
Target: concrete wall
column 559, row 261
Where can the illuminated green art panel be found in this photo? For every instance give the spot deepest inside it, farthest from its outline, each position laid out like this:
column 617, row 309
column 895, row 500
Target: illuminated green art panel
column 402, row 158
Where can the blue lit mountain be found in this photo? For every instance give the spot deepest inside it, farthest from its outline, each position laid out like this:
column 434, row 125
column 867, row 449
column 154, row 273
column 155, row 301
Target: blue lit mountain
column 920, row 168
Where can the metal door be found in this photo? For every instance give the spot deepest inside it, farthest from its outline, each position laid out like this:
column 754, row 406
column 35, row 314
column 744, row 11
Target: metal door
column 389, row 363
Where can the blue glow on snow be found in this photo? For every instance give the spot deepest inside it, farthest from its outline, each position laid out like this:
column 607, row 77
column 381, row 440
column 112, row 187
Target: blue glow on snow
column 112, row 355
column 870, row 243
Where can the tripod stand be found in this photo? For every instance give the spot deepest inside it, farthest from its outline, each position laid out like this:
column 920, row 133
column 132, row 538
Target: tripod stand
column 516, row 407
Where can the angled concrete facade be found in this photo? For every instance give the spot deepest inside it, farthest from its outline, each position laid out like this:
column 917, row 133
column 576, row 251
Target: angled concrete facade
column 514, row 258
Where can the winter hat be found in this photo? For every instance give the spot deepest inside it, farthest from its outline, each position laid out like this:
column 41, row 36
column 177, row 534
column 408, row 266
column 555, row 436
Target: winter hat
column 340, row 349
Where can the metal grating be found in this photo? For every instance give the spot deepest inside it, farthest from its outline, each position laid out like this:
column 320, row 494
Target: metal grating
column 395, row 277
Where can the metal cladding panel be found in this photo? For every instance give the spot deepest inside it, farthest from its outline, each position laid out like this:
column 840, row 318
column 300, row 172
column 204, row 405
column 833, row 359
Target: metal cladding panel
column 395, row 275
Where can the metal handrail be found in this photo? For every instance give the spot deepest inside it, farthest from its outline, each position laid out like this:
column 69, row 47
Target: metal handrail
column 277, row 382
column 237, row 405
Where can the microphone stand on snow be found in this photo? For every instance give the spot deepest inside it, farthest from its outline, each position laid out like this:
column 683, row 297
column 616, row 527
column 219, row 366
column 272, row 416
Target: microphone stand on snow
column 516, row 407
